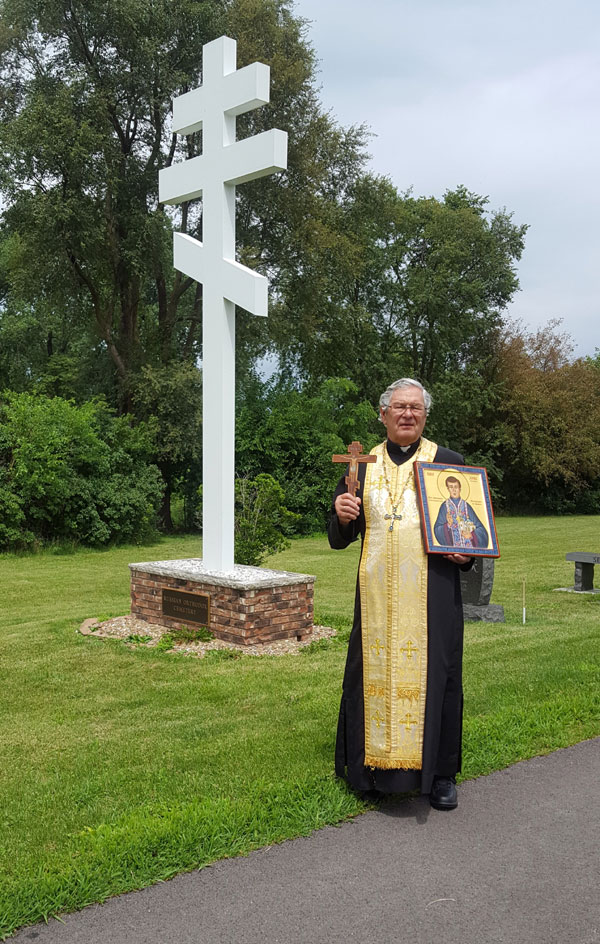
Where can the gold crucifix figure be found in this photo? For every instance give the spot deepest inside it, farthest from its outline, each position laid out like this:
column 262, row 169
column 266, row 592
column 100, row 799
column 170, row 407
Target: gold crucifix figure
column 353, row 458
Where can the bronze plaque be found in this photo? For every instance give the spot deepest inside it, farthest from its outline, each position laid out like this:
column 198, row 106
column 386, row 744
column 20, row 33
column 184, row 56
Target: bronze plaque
column 189, row 607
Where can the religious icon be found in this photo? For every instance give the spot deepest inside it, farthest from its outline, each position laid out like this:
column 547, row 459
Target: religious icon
column 353, row 458
column 456, row 509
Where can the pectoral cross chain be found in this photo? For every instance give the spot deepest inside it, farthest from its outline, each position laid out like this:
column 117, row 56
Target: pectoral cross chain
column 393, row 517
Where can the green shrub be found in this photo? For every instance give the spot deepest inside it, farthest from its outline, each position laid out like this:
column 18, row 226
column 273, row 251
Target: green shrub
column 262, row 522
column 70, row 473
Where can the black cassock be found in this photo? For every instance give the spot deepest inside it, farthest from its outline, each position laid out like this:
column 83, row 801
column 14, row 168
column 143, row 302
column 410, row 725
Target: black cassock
column 444, row 699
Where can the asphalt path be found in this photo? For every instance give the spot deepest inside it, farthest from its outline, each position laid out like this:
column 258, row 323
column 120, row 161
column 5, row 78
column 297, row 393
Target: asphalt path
column 518, row 861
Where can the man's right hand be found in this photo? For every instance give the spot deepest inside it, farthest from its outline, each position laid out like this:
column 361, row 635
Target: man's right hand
column 347, row 508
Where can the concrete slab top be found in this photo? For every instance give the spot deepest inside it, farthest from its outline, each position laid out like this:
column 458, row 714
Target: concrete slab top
column 241, row 577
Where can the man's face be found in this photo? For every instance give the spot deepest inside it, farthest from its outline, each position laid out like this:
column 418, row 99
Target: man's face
column 454, row 489
column 404, row 425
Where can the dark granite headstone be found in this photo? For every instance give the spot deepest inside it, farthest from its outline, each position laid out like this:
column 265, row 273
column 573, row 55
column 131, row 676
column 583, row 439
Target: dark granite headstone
column 476, row 586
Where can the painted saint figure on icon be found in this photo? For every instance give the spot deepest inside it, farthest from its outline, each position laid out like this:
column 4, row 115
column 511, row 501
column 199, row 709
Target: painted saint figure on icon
column 457, row 525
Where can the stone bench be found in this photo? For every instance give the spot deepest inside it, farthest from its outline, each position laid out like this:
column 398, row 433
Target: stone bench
column 584, row 568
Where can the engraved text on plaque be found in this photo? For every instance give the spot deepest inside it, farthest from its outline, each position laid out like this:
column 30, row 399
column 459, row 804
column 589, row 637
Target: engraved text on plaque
column 191, row 607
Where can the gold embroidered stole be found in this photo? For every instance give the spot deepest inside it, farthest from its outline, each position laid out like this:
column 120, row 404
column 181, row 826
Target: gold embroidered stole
column 393, row 595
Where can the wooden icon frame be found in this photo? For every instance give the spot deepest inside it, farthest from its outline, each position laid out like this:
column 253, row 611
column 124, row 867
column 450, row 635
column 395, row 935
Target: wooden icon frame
column 474, row 490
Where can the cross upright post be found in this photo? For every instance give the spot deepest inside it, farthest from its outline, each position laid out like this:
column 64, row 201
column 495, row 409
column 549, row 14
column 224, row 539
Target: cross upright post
column 225, row 93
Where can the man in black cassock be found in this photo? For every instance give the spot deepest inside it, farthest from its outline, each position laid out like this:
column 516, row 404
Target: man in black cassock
column 400, row 719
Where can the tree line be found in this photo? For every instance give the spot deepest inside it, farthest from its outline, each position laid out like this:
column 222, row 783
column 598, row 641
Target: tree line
column 101, row 340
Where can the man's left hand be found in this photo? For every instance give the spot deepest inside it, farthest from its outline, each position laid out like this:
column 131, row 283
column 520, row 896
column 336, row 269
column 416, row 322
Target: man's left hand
column 457, row 558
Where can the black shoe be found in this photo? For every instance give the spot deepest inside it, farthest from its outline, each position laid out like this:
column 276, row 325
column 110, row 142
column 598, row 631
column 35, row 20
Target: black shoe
column 371, row 796
column 443, row 793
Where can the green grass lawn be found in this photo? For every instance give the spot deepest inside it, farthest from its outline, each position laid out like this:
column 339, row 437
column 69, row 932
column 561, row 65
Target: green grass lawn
column 121, row 767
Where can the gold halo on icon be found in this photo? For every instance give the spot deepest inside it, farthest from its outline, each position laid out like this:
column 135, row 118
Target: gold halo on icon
column 464, row 485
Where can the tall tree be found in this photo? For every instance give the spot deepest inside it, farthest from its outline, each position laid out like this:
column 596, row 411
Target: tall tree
column 417, row 286
column 170, row 401
column 85, row 92
column 547, row 423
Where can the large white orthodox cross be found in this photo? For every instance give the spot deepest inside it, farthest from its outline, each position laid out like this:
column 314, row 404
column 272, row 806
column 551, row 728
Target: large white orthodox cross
column 225, row 162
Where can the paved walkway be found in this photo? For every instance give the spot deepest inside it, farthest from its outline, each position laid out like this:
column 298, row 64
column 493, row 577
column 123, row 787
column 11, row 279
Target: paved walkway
column 518, row 862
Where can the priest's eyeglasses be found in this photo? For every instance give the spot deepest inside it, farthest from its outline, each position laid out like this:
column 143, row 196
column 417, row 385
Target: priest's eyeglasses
column 400, row 408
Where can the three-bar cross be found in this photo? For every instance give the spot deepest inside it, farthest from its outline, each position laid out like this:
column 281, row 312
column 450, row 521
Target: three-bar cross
column 225, row 162
column 353, row 458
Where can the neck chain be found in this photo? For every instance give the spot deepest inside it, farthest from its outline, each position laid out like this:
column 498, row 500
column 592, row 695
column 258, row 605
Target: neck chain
column 395, row 499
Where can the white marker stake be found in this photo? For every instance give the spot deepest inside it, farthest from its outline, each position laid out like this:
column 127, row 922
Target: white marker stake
column 224, row 94
column 524, row 607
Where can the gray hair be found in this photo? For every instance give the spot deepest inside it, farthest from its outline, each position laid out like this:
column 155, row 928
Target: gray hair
column 384, row 400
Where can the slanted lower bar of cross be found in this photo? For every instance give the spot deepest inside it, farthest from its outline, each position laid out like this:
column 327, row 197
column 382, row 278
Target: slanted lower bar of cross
column 225, row 162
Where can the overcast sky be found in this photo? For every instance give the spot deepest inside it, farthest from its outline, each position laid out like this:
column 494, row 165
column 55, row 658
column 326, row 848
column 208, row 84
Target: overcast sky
column 502, row 96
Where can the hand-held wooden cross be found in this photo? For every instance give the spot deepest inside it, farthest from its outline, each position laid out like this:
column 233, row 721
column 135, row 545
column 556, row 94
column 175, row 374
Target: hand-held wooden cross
column 353, row 458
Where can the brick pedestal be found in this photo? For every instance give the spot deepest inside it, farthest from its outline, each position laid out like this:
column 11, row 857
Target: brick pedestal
column 248, row 605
